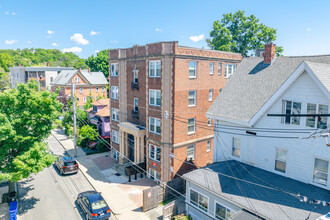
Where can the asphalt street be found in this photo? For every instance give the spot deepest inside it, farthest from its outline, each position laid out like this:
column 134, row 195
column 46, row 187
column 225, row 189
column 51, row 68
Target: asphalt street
column 48, row 195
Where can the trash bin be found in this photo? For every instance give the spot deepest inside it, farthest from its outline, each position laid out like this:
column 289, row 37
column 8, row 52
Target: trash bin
column 13, row 210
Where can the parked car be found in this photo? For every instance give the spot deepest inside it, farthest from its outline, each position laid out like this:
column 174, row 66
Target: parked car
column 93, row 205
column 67, row 165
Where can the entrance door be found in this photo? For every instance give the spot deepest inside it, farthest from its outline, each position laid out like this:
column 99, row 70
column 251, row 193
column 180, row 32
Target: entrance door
column 130, row 147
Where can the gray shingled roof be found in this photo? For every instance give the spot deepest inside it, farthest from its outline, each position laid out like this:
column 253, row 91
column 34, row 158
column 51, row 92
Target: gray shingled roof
column 269, row 203
column 47, row 68
column 94, row 78
column 322, row 71
column 253, row 83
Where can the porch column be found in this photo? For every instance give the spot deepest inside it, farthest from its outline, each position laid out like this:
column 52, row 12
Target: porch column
column 136, row 149
column 121, row 146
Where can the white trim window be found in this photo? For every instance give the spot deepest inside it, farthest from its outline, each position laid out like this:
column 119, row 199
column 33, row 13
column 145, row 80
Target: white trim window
column 209, row 122
column 229, row 69
column 210, row 95
column 115, row 136
column 280, row 160
column 154, row 152
column 192, row 98
column 85, row 99
column 136, row 104
column 289, row 107
column 97, row 89
column 115, row 154
column 81, row 90
column 154, row 175
column 219, row 69
column 192, row 69
column 103, row 89
column 208, row 146
column 115, row 114
column 155, row 68
column 191, row 125
column 236, row 147
column 199, row 200
column 114, row 69
column 211, row 68
column 90, row 89
column 114, row 92
column 222, row 212
column 321, row 171
column 154, row 97
column 135, row 76
column 77, row 80
column 191, row 152
column 154, row 125
column 319, row 122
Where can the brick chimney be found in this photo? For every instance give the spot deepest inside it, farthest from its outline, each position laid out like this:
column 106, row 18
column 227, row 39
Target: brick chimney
column 269, row 53
column 48, row 64
column 79, row 69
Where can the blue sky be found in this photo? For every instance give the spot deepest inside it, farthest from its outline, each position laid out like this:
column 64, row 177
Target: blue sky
column 303, row 27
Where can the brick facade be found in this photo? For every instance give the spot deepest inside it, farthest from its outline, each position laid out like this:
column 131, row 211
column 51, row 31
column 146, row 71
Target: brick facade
column 174, row 84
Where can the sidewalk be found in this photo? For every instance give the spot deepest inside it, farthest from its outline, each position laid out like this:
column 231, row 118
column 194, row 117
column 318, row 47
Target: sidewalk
column 125, row 199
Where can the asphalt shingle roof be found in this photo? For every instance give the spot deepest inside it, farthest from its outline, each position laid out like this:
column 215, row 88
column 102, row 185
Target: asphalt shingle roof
column 253, row 83
column 269, row 203
column 94, row 78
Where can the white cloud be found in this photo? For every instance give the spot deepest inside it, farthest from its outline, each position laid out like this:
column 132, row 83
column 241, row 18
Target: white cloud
column 79, row 39
column 50, row 32
column 13, row 13
column 96, row 51
column 7, row 13
column 29, row 42
column 94, row 33
column 9, row 42
column 72, row 49
column 308, row 29
column 54, row 44
column 197, row 38
column 158, row 30
column 114, row 42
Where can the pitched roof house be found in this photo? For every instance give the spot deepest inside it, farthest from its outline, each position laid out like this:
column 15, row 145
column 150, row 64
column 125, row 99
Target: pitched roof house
column 99, row 115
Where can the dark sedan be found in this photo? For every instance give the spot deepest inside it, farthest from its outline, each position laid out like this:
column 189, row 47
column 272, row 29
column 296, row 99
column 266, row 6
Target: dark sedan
column 93, row 205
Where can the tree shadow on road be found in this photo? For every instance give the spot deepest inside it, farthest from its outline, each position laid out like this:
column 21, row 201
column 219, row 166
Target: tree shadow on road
column 26, row 203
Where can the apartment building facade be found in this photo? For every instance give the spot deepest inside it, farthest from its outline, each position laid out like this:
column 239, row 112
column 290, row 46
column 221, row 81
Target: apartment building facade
column 159, row 94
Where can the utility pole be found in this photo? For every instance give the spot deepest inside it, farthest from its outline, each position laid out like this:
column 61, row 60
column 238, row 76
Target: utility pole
column 73, row 92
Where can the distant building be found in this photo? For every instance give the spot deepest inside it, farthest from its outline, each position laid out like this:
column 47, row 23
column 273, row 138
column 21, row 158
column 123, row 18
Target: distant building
column 160, row 93
column 99, row 115
column 43, row 75
column 88, row 84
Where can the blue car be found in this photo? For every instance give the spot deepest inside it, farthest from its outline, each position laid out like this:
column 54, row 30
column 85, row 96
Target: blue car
column 93, row 205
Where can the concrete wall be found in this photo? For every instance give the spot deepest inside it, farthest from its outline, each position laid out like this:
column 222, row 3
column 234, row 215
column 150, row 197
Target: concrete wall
column 17, row 75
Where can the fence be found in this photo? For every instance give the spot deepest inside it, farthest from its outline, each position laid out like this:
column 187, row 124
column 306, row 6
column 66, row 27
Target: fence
column 173, row 208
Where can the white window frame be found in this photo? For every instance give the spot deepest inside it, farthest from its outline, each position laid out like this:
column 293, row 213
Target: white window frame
column 194, row 152
column 97, row 89
column 210, row 95
column 115, row 114
column 293, row 120
column 81, row 90
column 115, row 136
column 197, row 205
column 192, row 132
column 281, row 160
column 156, row 63
column 135, row 76
column 211, row 68
column 85, row 99
column 156, row 148
column 219, row 69
column 317, row 111
column 153, row 174
column 90, row 89
column 209, row 122
column 195, row 92
column 103, row 89
column 232, row 68
column 153, row 127
column 215, row 208
column 318, row 182
column 114, row 92
column 114, row 69
column 208, row 146
column 77, row 80
column 153, row 96
column 234, row 147
column 195, row 75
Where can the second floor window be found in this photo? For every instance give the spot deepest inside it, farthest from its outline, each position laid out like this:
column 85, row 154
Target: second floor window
column 115, row 136
column 192, row 98
column 154, row 97
column 192, row 69
column 103, row 89
column 154, row 152
column 229, row 70
column 219, row 68
column 90, row 89
column 77, row 80
column 81, row 89
column 154, row 125
column 114, row 92
column 114, row 69
column 211, row 68
column 289, row 107
column 319, row 122
column 191, row 125
column 155, row 68
column 115, row 114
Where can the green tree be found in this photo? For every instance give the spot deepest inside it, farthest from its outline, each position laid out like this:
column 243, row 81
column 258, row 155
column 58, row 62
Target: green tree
column 6, row 60
column 241, row 34
column 100, row 62
column 26, row 117
column 86, row 134
column 4, row 81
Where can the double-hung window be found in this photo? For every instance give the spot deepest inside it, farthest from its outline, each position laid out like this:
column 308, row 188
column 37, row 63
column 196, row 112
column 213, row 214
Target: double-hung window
column 199, row 200
column 321, row 171
column 85, row 99
column 191, row 152
column 192, row 69
column 236, row 148
column 280, row 160
column 90, row 89
column 97, row 89
column 154, row 175
column 115, row 136
column 154, row 97
column 210, row 94
column 114, row 69
column 208, row 146
column 154, row 125
column 103, row 89
column 155, row 68
column 192, row 98
column 115, row 114
column 229, row 70
column 114, row 92
column 209, row 122
column 289, row 107
column 191, row 125
column 211, row 68
column 81, row 89
column 77, row 80
column 222, row 212
column 136, row 104
column 154, row 152
column 319, row 122
column 219, row 68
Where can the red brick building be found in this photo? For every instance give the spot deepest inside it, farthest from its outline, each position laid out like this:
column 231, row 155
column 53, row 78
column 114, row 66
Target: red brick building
column 159, row 94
